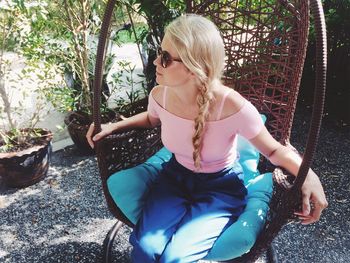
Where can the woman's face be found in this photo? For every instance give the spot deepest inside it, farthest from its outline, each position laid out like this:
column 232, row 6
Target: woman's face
column 175, row 73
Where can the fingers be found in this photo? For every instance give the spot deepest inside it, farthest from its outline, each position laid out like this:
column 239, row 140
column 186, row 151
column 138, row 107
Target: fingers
column 305, row 215
column 312, row 210
column 313, row 217
column 306, row 207
column 305, row 219
column 89, row 135
column 313, row 200
column 91, row 139
column 97, row 136
column 317, row 207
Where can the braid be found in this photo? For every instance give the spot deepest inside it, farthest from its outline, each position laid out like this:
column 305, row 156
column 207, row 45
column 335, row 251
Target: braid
column 201, row 48
column 204, row 99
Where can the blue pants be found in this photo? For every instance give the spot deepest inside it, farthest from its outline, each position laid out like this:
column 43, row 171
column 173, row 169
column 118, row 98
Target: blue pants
column 186, row 212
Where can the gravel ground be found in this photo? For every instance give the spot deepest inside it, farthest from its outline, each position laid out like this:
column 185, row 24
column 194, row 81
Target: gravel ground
column 329, row 239
column 64, row 218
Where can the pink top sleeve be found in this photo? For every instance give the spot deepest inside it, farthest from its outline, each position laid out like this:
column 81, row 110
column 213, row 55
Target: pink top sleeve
column 250, row 121
column 153, row 107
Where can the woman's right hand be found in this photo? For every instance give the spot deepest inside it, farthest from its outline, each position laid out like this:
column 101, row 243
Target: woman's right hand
column 106, row 129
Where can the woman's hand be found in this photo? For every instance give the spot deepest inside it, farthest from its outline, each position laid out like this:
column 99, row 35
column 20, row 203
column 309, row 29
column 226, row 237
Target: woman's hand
column 141, row 120
column 106, row 129
column 314, row 199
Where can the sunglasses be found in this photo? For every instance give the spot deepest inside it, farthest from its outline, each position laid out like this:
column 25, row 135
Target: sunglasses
column 165, row 58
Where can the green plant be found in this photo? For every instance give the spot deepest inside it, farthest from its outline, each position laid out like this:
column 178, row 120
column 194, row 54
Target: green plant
column 18, row 91
column 157, row 14
column 78, row 19
column 79, row 23
column 20, row 87
column 127, row 36
column 126, row 79
column 16, row 140
column 66, row 35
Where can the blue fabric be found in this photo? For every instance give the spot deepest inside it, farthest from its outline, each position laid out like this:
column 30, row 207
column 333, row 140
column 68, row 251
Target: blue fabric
column 180, row 205
column 131, row 199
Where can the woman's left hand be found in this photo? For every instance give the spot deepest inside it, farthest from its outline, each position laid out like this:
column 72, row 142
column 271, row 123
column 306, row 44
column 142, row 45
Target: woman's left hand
column 314, row 200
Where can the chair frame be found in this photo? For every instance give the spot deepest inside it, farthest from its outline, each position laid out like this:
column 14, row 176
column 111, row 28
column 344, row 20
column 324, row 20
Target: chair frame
column 287, row 195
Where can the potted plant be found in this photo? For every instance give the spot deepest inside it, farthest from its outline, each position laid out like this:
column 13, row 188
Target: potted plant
column 79, row 24
column 25, row 150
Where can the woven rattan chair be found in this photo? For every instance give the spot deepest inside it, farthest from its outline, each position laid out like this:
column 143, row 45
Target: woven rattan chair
column 266, row 44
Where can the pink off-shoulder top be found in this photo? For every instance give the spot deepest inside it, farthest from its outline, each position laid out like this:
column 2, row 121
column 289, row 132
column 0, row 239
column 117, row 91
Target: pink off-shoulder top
column 220, row 138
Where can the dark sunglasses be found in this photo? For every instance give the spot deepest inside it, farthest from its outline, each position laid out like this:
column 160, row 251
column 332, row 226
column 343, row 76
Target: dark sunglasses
column 165, row 58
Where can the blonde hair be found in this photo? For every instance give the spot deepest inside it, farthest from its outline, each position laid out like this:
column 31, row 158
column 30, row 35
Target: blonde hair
column 200, row 47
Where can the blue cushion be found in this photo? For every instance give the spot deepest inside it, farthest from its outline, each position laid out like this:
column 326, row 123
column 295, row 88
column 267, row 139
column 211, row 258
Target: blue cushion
column 241, row 235
column 229, row 245
column 138, row 180
column 248, row 156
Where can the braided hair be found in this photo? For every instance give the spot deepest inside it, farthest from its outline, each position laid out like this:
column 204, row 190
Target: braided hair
column 200, row 47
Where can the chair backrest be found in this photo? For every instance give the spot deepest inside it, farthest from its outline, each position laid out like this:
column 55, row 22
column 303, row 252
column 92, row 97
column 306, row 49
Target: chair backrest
column 265, row 45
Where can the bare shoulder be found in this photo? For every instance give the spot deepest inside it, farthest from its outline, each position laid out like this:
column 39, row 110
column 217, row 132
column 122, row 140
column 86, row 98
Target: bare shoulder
column 157, row 94
column 233, row 103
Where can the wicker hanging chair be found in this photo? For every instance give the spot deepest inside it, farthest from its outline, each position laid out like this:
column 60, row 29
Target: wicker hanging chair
column 266, row 44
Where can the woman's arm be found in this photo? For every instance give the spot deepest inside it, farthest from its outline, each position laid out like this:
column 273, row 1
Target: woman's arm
column 141, row 120
column 314, row 200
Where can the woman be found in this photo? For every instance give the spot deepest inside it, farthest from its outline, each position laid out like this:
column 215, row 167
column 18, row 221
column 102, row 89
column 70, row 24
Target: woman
column 200, row 191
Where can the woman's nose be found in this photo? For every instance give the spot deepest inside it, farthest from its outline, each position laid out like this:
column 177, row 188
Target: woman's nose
column 156, row 61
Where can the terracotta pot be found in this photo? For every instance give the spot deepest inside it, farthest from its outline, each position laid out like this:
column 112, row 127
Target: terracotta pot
column 29, row 166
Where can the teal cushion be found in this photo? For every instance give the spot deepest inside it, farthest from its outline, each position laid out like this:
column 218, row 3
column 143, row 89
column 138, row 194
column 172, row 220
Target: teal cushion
column 138, row 180
column 241, row 235
column 248, row 156
column 229, row 245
